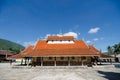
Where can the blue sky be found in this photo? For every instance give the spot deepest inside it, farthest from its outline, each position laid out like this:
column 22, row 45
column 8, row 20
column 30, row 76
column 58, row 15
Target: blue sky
column 95, row 21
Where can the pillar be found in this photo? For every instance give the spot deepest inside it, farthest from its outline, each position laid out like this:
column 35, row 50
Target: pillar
column 25, row 60
column 21, row 61
column 41, row 61
column 28, row 62
column 55, row 61
column 82, row 62
column 110, row 61
column 68, row 61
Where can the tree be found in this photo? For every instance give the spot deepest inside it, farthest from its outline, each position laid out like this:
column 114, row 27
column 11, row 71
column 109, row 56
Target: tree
column 14, row 50
column 116, row 49
column 110, row 50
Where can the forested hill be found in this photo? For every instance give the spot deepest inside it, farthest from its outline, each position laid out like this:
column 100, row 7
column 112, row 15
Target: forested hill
column 9, row 45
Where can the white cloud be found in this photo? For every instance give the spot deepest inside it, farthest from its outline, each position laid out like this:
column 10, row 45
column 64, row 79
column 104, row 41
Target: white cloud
column 71, row 34
column 88, row 41
column 29, row 43
column 65, row 34
column 94, row 30
column 95, row 39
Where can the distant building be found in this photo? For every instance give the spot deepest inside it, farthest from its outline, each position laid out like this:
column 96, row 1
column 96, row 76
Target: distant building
column 118, row 56
column 4, row 54
column 107, row 58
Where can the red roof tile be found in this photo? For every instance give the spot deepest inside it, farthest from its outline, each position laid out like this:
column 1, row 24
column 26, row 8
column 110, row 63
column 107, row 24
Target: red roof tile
column 42, row 48
column 61, row 52
column 93, row 48
column 42, row 44
column 21, row 54
column 29, row 48
column 101, row 55
column 17, row 56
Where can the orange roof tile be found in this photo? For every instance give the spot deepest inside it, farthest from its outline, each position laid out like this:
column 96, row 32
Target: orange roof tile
column 22, row 53
column 29, row 48
column 61, row 52
column 17, row 56
column 42, row 48
column 42, row 44
column 60, row 38
column 93, row 48
column 78, row 48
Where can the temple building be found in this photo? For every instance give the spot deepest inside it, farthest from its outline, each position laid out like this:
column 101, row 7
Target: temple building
column 60, row 51
column 4, row 54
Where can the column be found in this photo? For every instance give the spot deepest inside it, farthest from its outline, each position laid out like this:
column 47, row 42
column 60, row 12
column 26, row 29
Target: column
column 110, row 61
column 25, row 60
column 55, row 61
column 82, row 60
column 41, row 61
column 21, row 61
column 28, row 61
column 68, row 61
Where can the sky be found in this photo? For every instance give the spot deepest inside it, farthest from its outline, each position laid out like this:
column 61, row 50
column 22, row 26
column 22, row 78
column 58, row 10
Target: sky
column 97, row 22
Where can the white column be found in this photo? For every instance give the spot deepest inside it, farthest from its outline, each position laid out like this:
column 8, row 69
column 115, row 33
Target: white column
column 27, row 61
column 68, row 61
column 82, row 63
column 41, row 61
column 55, row 61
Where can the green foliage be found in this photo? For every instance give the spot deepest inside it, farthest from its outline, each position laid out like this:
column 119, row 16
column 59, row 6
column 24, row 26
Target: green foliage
column 115, row 49
column 110, row 50
column 12, row 46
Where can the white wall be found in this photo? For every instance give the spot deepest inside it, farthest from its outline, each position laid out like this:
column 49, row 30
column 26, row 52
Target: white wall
column 60, row 42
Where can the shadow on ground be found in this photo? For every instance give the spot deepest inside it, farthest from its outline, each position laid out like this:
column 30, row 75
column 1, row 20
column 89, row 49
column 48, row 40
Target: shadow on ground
column 110, row 75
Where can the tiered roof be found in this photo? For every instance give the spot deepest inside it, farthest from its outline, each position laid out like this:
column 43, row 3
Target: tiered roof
column 42, row 48
column 42, row 44
column 22, row 53
column 61, row 52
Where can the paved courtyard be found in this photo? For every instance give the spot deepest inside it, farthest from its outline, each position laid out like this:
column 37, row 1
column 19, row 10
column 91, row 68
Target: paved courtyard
column 104, row 72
